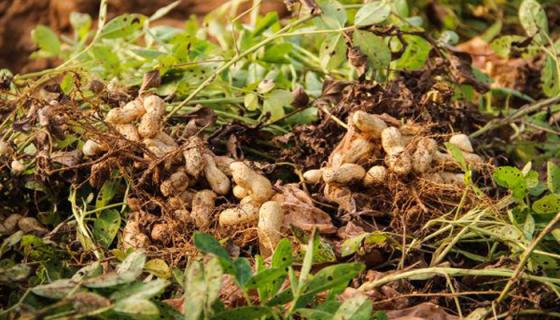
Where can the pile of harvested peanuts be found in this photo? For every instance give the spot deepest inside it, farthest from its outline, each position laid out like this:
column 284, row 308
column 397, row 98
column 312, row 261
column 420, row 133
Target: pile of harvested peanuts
column 402, row 149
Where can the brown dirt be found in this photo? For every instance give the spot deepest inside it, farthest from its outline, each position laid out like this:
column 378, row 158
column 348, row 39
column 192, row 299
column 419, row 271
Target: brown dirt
column 19, row 17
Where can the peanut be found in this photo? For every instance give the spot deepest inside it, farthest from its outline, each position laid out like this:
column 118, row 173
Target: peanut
column 259, row 186
column 202, row 207
column 376, row 175
column 271, row 219
column 462, row 142
column 217, row 180
column 391, row 140
column 344, row 174
column 313, row 176
column 175, row 184
column 247, row 212
column 368, row 123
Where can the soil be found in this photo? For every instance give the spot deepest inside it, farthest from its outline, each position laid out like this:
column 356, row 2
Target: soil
column 19, row 17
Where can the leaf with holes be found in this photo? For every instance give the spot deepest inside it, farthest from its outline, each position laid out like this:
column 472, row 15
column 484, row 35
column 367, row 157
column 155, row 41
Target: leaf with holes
column 513, row 179
column 106, row 227
column 374, row 47
column 332, row 52
column 415, row 55
column 547, row 204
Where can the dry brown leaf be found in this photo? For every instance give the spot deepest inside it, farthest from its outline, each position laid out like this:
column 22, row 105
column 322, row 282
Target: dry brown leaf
column 423, row 311
column 301, row 212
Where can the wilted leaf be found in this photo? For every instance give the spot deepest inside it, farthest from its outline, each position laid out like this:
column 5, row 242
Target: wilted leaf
column 57, row 289
column 15, row 273
column 138, row 308
column 533, row 19
column 141, row 290
column 85, row 302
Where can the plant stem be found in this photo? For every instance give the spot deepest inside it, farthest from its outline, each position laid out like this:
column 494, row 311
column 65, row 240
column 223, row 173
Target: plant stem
column 428, row 273
column 515, row 116
column 525, row 257
column 235, row 59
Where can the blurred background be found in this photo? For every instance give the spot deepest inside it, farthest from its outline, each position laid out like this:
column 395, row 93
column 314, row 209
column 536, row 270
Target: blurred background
column 19, row 17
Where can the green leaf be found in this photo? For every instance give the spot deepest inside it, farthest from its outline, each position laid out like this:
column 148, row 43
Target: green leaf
column 513, row 179
column 415, row 55
column 243, row 313
column 67, row 83
column 333, row 15
column 359, row 307
column 266, row 22
column 158, row 268
column 141, row 290
column 372, row 13
column 457, row 154
column 106, row 227
column 81, row 23
column 332, row 52
column 242, row 271
column 281, row 260
column 529, row 227
column 275, row 101
column 46, row 40
column 312, row 246
column 533, row 19
column 333, row 276
column 277, row 53
column 208, row 244
column 138, row 308
column 251, row 101
column 547, row 204
column 502, row 45
column 374, row 47
column 314, row 314
column 553, row 177
column 550, row 77
column 106, row 194
column 350, row 246
column 122, row 26
column 266, row 277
